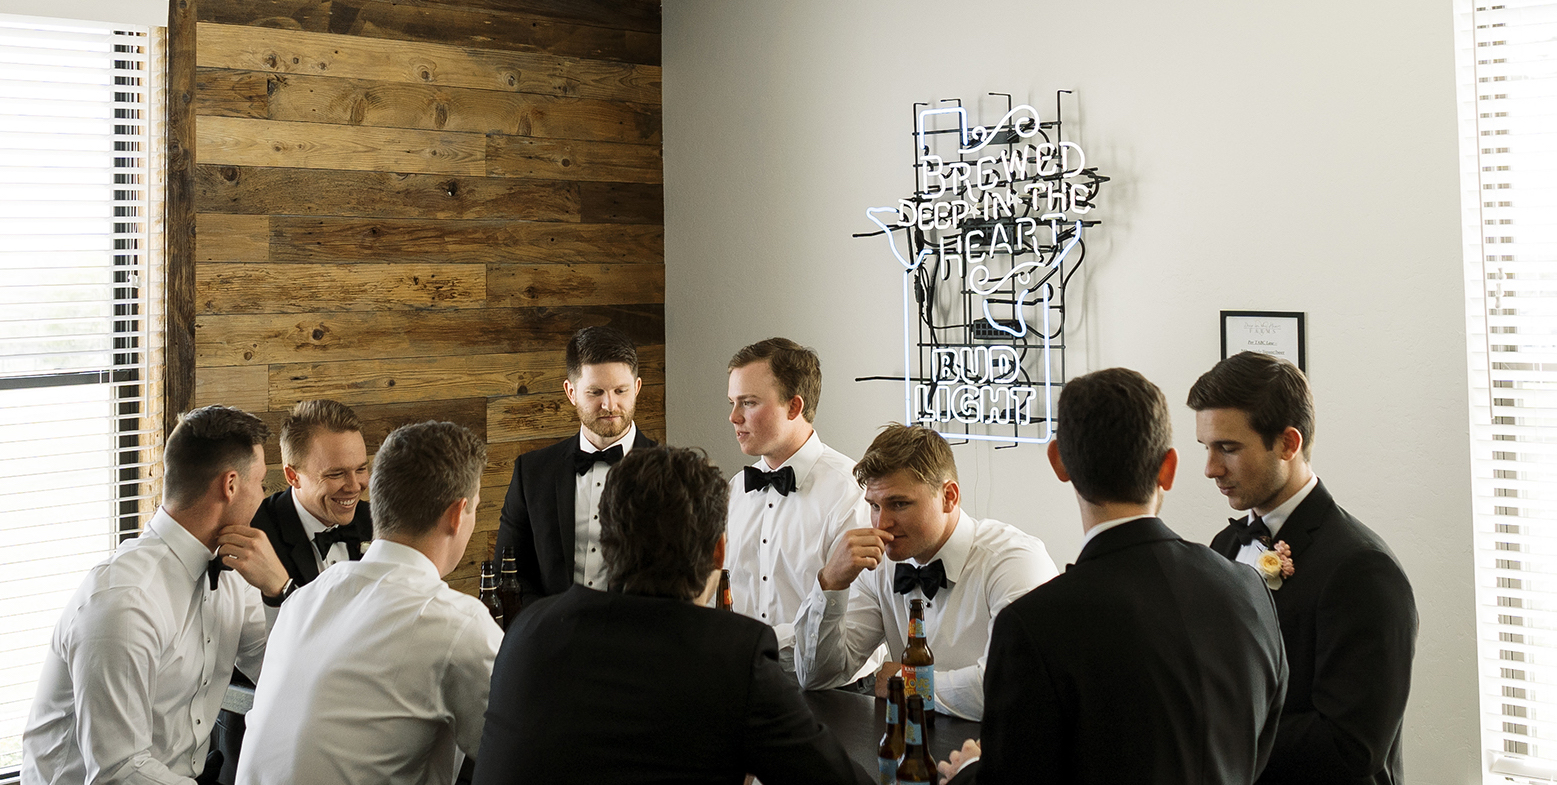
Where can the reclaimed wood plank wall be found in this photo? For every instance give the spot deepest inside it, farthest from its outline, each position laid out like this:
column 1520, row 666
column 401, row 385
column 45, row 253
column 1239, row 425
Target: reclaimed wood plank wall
column 410, row 205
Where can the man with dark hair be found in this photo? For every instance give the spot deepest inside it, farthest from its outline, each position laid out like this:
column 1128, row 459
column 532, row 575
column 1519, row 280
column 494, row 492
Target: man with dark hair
column 790, row 508
column 141, row 656
column 550, row 516
column 321, row 518
column 378, row 671
column 965, row 569
column 643, row 683
column 1348, row 616
column 1151, row 659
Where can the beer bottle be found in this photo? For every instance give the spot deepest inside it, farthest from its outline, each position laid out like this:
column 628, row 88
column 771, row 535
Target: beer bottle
column 508, row 585
column 890, row 751
column 918, row 764
column 489, row 593
column 918, row 660
column 723, row 601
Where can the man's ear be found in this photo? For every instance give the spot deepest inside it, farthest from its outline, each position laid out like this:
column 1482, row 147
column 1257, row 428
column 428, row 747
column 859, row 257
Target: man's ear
column 449, row 521
column 1291, row 443
column 1170, row 467
column 1056, row 463
column 572, row 393
column 229, row 481
column 797, row 406
column 291, row 475
column 950, row 495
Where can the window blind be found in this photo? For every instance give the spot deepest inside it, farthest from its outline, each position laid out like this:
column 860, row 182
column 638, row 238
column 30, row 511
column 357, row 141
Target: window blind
column 77, row 344
column 1507, row 66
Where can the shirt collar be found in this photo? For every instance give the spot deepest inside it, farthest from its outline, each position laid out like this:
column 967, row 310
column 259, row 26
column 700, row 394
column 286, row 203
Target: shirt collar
column 626, row 440
column 190, row 552
column 311, row 525
column 403, row 555
column 1275, row 518
column 954, row 552
column 1106, row 525
column 802, row 461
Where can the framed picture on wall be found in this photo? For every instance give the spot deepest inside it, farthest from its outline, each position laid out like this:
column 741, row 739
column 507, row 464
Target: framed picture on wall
column 1278, row 333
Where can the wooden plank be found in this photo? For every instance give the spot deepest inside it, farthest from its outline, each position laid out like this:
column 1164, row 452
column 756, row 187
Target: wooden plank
column 246, row 142
column 550, row 159
column 625, row 203
column 354, row 57
column 179, row 210
column 417, row 378
column 280, row 191
column 475, row 28
column 517, row 285
column 321, row 99
column 263, row 339
column 231, row 238
column 378, row 421
column 550, row 416
column 501, row 457
column 299, row 288
column 353, row 239
column 242, row 386
column 232, row 93
column 641, row 15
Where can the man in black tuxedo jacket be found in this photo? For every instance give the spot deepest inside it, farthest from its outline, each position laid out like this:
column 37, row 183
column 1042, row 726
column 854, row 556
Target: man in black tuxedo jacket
column 550, row 516
column 1348, row 616
column 644, row 683
column 1151, row 659
column 321, row 518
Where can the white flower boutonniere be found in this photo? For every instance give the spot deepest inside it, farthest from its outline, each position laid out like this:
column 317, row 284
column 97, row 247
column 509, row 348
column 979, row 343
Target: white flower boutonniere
column 1275, row 565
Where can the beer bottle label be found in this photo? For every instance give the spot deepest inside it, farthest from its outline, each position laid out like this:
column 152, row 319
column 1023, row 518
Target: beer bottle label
column 886, row 771
column 892, row 712
column 920, row 680
column 913, row 735
column 916, row 628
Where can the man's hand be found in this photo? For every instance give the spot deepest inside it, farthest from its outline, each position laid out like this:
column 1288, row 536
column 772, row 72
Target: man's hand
column 247, row 550
column 888, row 670
column 859, row 550
column 948, row 768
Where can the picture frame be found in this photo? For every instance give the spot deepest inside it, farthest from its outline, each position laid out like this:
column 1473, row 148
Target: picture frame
column 1281, row 334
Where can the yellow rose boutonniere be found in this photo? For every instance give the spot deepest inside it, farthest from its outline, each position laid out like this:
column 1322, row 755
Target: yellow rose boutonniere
column 1275, row 565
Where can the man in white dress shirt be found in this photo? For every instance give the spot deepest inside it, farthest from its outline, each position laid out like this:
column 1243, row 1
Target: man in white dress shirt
column 966, row 570
column 378, row 671
column 790, row 508
column 142, row 654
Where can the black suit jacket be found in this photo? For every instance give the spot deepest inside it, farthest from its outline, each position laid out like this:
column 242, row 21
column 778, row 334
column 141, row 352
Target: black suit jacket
column 537, row 517
column 1151, row 659
column 604, row 687
column 1349, row 621
column 277, row 517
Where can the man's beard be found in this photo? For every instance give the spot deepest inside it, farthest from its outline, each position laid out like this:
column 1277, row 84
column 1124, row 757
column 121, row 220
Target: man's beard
column 591, row 420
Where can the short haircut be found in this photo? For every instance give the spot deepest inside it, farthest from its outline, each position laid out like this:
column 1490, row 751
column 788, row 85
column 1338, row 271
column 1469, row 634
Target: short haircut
column 1114, row 431
column 921, row 452
column 661, row 513
column 1271, row 391
column 206, row 444
column 797, row 369
column 309, row 418
column 599, row 345
column 419, row 471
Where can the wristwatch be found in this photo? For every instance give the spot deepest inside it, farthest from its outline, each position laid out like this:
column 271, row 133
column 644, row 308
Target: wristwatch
column 286, row 591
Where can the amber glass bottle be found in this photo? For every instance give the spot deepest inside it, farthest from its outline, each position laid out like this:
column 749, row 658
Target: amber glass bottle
column 890, row 752
column 489, row 593
column 918, row 764
column 508, row 590
column 723, row 600
column 918, row 660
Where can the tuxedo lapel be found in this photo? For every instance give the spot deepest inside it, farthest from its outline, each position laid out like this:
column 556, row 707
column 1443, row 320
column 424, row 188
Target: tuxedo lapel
column 363, row 521
column 566, row 480
column 299, row 546
column 1299, row 530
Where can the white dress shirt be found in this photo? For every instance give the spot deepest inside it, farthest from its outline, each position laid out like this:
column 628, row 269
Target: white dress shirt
column 988, row 565
column 588, row 565
column 377, row 671
column 1250, row 554
column 138, row 665
column 778, row 543
column 313, row 526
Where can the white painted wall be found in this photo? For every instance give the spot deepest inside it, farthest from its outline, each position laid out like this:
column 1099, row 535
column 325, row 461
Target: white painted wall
column 1271, row 156
column 151, row 13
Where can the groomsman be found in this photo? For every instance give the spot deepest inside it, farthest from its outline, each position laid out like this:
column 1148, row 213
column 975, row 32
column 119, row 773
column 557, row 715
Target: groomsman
column 1150, row 659
column 790, row 508
column 140, row 659
column 966, row 570
column 321, row 518
column 1348, row 616
column 552, row 513
column 378, row 671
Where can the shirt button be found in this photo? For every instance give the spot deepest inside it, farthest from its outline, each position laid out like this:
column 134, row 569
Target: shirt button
column 764, row 542
column 764, row 577
column 589, row 583
column 770, row 505
column 197, row 721
column 591, row 550
column 597, row 485
column 764, row 615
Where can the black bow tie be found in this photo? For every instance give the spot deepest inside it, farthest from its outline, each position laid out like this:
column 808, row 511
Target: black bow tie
column 213, row 571
column 584, row 461
column 1246, row 533
column 345, row 533
column 782, row 480
column 929, row 578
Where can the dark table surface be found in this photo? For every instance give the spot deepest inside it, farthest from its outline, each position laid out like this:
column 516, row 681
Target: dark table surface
column 859, row 721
